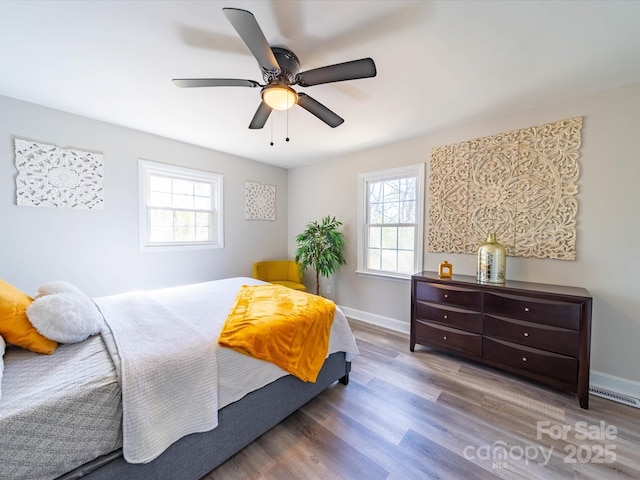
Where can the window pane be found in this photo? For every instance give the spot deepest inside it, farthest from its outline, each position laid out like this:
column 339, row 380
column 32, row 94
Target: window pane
column 161, row 225
column 391, row 213
column 389, row 237
column 183, row 219
column 202, row 189
column 159, row 184
column 161, row 217
column 389, row 260
column 408, row 188
column 406, row 238
column 161, row 234
column 375, row 213
column 375, row 237
column 405, row 262
column 203, row 219
column 391, row 191
column 202, row 234
column 185, row 234
column 160, row 199
column 373, row 261
column 202, row 203
column 407, row 212
column 184, row 187
column 375, row 191
column 182, row 201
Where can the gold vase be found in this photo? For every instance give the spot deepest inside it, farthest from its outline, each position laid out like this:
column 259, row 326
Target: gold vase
column 492, row 261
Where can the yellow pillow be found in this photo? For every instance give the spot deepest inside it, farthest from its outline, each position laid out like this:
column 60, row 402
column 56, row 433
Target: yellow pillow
column 15, row 327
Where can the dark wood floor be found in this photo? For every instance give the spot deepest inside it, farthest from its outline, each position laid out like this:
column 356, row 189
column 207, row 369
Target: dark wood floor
column 427, row 415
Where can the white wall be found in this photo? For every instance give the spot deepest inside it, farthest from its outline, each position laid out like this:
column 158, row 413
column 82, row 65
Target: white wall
column 608, row 222
column 98, row 249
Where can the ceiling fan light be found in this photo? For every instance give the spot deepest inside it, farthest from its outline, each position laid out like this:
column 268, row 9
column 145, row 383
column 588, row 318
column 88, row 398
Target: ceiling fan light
column 279, row 97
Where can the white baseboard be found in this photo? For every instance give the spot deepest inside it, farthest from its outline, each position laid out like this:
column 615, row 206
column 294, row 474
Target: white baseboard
column 615, row 384
column 596, row 379
column 386, row 322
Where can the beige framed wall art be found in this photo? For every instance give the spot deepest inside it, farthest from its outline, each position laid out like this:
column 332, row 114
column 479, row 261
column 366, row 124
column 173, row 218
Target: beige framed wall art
column 522, row 185
column 260, row 201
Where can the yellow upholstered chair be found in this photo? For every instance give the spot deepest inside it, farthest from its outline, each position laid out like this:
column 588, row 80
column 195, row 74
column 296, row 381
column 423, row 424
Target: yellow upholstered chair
column 282, row 272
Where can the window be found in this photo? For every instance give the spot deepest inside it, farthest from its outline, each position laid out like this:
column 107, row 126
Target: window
column 179, row 207
column 391, row 218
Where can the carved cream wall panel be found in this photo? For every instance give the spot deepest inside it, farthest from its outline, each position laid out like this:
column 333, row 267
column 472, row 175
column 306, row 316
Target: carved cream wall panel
column 50, row 176
column 521, row 185
column 260, row 201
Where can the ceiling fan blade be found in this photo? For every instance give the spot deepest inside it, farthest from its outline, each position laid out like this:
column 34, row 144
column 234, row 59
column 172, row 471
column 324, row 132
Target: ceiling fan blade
column 319, row 110
column 247, row 27
column 213, row 82
column 363, row 68
column 260, row 117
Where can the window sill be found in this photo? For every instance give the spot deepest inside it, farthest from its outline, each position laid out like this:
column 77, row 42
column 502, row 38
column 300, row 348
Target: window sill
column 179, row 247
column 394, row 277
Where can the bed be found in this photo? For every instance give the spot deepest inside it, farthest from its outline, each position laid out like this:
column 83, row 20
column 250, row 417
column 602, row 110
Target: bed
column 61, row 415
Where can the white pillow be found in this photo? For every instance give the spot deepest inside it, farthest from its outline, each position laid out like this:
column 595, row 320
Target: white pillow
column 58, row 286
column 2, row 345
column 62, row 312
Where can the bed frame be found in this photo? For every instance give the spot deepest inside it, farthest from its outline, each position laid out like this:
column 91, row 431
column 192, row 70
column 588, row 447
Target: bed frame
column 239, row 424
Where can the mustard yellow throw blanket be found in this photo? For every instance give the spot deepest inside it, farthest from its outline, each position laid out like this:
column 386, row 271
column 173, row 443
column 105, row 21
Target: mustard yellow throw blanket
column 281, row 325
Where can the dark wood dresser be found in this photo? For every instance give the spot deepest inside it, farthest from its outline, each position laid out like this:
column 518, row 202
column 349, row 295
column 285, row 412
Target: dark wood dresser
column 539, row 331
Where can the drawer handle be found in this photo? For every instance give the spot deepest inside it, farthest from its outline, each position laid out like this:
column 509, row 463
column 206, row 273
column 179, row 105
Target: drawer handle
column 524, row 359
column 446, row 296
column 525, row 334
column 526, row 309
column 445, row 337
column 446, row 316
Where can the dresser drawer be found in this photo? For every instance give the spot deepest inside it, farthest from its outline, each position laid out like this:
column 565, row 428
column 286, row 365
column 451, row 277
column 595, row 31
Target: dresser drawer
column 451, row 316
column 554, row 339
column 458, row 296
column 545, row 363
column 549, row 312
column 448, row 338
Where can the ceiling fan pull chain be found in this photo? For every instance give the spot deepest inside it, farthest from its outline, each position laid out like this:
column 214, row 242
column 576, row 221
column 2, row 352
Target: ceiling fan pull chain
column 271, row 120
column 287, row 139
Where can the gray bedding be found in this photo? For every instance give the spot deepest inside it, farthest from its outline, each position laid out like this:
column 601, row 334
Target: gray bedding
column 57, row 411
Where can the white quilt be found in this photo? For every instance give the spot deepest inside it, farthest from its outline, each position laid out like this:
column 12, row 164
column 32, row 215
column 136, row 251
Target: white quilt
column 173, row 373
column 168, row 374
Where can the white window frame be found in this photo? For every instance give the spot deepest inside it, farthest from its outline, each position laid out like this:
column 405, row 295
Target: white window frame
column 146, row 168
column 417, row 171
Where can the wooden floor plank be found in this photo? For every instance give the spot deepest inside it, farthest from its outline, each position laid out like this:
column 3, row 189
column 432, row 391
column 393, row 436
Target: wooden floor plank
column 424, row 414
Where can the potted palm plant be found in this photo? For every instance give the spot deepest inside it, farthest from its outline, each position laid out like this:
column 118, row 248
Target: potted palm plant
column 320, row 247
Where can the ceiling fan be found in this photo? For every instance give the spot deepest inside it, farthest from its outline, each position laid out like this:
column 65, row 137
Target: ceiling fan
column 280, row 70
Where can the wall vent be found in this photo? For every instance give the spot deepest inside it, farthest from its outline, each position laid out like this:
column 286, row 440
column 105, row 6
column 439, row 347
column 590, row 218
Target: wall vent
column 616, row 397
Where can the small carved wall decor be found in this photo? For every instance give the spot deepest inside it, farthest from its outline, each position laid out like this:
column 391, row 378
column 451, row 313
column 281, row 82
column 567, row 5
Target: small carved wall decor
column 260, row 201
column 522, row 185
column 50, row 176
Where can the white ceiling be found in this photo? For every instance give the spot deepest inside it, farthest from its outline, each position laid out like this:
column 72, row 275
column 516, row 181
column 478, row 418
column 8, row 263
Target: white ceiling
column 440, row 64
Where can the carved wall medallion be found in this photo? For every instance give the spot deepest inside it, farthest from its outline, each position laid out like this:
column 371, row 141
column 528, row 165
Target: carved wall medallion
column 50, row 176
column 521, row 185
column 260, row 201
